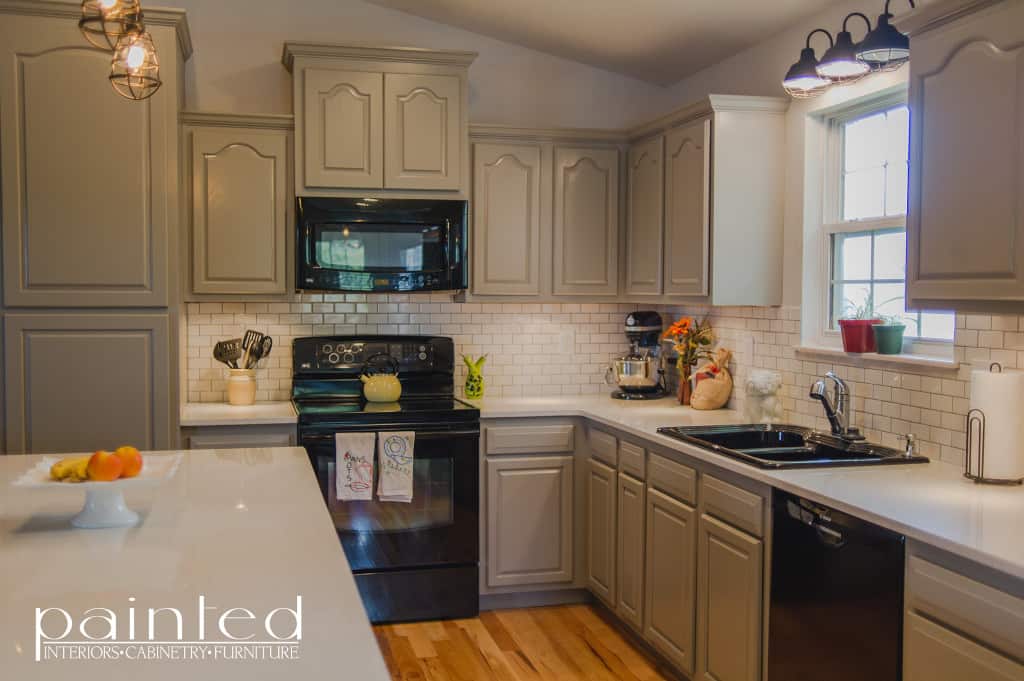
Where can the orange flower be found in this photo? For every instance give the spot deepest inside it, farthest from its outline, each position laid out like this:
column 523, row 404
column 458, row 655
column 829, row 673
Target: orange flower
column 680, row 328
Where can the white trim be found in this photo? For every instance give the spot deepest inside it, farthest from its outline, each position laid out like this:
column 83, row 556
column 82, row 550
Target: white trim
column 874, row 359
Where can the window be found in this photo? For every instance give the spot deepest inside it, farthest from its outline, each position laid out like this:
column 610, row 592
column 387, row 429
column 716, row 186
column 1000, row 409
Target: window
column 867, row 223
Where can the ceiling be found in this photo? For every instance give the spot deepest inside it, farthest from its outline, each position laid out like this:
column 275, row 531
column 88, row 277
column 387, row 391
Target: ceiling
column 659, row 41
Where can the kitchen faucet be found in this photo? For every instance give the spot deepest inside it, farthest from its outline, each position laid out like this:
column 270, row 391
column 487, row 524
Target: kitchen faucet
column 837, row 408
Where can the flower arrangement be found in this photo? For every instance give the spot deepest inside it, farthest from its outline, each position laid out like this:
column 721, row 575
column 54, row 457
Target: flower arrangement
column 691, row 339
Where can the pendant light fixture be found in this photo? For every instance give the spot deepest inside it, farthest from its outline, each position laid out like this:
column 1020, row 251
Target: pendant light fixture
column 885, row 48
column 135, row 69
column 840, row 63
column 803, row 80
column 103, row 22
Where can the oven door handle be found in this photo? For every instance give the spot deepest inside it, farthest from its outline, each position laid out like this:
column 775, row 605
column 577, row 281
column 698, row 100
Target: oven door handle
column 316, row 437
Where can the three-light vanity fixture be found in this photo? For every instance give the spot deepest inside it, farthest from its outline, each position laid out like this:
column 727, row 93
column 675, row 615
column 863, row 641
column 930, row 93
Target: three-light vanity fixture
column 117, row 26
column 883, row 49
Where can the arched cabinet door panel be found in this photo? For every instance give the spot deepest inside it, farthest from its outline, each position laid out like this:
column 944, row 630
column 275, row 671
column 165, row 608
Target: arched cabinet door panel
column 688, row 209
column 645, row 219
column 344, row 129
column 422, row 124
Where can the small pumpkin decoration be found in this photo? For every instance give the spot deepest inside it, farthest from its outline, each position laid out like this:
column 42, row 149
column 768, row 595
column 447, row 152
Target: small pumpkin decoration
column 713, row 382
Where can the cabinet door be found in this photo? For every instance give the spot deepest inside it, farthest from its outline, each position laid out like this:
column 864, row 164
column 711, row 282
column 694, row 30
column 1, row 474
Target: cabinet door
column 729, row 588
column 601, row 533
column 239, row 210
column 965, row 227
column 423, row 128
column 670, row 610
column 586, row 224
column 933, row 653
column 645, row 222
column 687, row 209
column 88, row 177
column 343, row 127
column 506, row 219
column 529, row 520
column 77, row 383
column 630, row 549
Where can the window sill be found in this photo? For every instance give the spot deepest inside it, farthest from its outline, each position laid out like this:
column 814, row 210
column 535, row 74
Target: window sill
column 874, row 359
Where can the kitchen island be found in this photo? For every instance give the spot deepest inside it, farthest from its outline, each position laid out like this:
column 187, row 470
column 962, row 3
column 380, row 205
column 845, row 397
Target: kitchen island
column 234, row 537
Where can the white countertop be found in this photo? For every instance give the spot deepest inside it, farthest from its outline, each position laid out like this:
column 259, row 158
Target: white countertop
column 245, row 528
column 222, row 414
column 932, row 503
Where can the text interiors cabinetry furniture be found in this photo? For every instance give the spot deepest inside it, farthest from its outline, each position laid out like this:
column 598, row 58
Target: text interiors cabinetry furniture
column 369, row 118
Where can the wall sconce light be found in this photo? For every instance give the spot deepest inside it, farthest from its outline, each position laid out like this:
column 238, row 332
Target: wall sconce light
column 840, row 63
column 135, row 69
column 885, row 48
column 103, row 22
column 803, row 79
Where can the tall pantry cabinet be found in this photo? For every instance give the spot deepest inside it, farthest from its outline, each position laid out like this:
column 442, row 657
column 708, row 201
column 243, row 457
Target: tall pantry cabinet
column 90, row 237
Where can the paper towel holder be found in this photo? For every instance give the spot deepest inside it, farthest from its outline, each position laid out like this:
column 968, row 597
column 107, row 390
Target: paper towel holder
column 976, row 427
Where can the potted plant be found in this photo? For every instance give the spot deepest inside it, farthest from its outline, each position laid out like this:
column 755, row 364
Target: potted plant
column 691, row 340
column 856, row 326
column 889, row 335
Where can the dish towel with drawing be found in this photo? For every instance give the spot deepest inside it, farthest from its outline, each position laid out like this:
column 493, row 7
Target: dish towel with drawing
column 353, row 466
column 395, row 459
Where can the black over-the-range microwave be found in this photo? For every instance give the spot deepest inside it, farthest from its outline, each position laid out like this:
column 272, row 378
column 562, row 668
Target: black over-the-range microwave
column 381, row 245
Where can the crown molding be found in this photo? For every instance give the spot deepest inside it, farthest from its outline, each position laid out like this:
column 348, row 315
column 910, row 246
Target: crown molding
column 236, row 120
column 705, row 107
column 938, row 14
column 65, row 9
column 508, row 133
column 415, row 55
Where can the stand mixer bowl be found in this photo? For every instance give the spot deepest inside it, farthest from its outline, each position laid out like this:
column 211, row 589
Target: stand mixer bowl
column 633, row 373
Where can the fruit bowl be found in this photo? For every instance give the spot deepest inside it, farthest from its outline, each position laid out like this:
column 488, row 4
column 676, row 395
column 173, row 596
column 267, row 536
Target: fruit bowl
column 104, row 501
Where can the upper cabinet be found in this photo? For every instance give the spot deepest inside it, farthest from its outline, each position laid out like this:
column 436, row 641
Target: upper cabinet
column 241, row 202
column 586, row 223
column 645, row 218
column 965, row 222
column 390, row 119
column 688, row 209
column 89, row 179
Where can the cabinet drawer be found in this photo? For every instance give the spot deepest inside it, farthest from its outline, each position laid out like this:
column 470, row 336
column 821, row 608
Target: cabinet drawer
column 631, row 459
column 672, row 478
column 934, row 653
column 992, row 616
column 604, row 447
column 736, row 506
column 529, row 439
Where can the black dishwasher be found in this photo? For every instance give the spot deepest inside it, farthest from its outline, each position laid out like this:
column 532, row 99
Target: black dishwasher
column 836, row 596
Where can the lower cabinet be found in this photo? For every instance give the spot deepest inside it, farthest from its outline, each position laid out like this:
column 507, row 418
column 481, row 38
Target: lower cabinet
column 630, row 549
column 529, row 520
column 670, row 605
column 238, row 437
column 602, row 504
column 729, row 616
column 933, row 653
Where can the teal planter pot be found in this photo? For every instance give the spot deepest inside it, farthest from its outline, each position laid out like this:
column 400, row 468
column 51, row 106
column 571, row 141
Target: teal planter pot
column 889, row 338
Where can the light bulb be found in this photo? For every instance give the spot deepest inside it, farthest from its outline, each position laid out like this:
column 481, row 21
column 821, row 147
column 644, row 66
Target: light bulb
column 107, row 5
column 135, row 58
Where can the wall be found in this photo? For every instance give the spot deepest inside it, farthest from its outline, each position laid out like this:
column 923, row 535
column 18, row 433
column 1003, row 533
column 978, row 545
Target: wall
column 557, row 349
column 237, row 64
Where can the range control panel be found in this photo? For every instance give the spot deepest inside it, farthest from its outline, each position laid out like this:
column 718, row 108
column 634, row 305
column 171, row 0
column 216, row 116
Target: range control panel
column 348, row 355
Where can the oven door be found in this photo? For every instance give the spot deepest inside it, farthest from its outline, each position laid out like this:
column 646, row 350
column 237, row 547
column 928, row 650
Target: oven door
column 439, row 527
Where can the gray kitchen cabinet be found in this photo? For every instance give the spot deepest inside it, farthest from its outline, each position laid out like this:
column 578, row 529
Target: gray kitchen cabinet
column 241, row 206
column 965, row 221
column 379, row 118
column 507, row 219
column 425, row 131
column 89, row 179
column 81, row 382
column 630, row 551
column 602, row 505
column 670, row 604
column 239, row 437
column 529, row 520
column 932, row 652
column 586, row 221
column 729, row 603
column 688, row 209
column 343, row 128
column 645, row 185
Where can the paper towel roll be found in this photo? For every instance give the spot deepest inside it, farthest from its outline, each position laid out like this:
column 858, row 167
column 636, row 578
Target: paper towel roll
column 1001, row 397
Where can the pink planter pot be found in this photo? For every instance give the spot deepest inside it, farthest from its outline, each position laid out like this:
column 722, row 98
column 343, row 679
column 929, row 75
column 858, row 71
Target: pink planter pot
column 858, row 336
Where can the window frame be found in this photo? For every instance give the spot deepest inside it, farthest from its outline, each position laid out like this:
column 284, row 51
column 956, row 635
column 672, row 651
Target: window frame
column 832, row 223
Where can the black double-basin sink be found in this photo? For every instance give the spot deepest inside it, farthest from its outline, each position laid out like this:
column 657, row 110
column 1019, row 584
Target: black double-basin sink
column 778, row 446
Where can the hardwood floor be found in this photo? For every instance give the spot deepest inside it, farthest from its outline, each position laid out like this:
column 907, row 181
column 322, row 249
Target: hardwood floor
column 560, row 643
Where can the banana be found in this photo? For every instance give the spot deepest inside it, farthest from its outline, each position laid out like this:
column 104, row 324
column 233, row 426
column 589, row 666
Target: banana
column 73, row 469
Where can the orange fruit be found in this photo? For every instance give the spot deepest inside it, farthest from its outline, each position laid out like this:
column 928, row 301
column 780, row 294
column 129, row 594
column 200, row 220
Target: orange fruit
column 104, row 466
column 131, row 461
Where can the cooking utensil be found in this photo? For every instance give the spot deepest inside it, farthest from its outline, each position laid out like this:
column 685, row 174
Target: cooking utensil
column 228, row 352
column 259, row 351
column 250, row 339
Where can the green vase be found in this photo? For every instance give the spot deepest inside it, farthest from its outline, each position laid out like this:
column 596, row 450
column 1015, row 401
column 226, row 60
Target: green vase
column 889, row 338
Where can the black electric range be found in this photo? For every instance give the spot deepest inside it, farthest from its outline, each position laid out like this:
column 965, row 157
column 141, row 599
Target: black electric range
column 416, row 560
